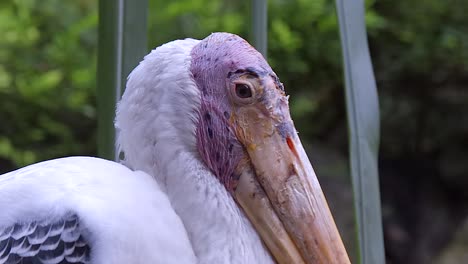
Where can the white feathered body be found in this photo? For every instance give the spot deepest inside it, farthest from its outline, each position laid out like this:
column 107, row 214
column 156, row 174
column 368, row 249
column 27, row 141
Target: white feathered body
column 126, row 216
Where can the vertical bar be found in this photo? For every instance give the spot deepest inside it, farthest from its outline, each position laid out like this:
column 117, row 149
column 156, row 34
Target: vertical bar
column 122, row 44
column 364, row 128
column 259, row 25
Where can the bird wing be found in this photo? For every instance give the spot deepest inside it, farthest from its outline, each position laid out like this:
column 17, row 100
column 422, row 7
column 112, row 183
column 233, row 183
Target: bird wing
column 88, row 210
column 47, row 241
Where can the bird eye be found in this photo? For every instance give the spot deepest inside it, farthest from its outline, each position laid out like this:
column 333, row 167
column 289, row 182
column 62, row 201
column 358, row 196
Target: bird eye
column 243, row 90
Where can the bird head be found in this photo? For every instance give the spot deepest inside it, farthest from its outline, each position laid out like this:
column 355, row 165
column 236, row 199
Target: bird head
column 243, row 132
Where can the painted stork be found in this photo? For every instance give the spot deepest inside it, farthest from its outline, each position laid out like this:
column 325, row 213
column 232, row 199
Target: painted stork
column 214, row 172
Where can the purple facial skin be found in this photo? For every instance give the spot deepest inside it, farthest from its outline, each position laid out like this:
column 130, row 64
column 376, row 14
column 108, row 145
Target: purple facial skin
column 214, row 60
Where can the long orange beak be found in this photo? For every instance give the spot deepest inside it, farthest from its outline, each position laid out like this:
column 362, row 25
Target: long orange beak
column 278, row 189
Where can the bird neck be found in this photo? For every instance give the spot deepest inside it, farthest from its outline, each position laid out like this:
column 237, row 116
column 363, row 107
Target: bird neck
column 218, row 230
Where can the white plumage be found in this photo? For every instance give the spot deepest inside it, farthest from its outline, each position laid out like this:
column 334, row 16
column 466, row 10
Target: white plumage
column 168, row 207
column 126, row 216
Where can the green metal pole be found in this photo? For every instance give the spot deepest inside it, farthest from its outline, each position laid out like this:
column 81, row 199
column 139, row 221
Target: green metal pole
column 364, row 128
column 259, row 25
column 122, row 44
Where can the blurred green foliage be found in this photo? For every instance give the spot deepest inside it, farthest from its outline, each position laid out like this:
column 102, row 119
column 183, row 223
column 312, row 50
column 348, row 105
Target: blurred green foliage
column 48, row 62
column 47, row 79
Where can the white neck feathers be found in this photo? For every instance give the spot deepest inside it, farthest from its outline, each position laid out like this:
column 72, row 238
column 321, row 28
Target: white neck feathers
column 156, row 122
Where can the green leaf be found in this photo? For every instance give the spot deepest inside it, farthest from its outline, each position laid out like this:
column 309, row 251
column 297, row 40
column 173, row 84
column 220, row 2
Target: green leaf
column 5, row 78
column 35, row 85
column 363, row 119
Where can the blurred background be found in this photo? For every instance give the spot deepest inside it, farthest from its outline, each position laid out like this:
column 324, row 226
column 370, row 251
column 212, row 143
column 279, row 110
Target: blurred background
column 419, row 49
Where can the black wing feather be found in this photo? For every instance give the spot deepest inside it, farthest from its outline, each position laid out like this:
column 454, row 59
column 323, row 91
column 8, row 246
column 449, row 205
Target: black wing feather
column 45, row 242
